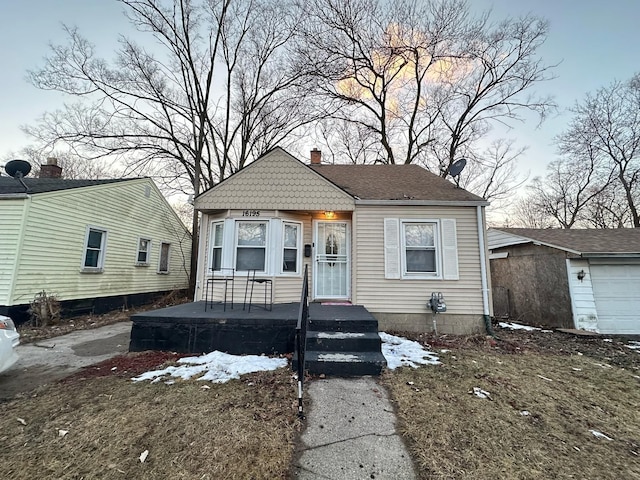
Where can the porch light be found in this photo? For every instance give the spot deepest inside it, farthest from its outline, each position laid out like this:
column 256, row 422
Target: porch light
column 329, row 214
column 581, row 275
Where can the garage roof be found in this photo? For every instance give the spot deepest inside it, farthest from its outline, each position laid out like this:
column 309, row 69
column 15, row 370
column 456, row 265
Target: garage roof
column 581, row 241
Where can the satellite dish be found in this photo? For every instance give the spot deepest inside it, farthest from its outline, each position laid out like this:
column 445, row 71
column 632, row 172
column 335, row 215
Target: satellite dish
column 456, row 167
column 18, row 168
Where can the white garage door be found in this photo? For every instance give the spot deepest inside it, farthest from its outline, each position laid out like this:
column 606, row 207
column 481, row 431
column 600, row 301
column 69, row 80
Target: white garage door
column 616, row 289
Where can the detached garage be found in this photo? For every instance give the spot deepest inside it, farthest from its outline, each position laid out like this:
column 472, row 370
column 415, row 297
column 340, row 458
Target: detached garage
column 567, row 278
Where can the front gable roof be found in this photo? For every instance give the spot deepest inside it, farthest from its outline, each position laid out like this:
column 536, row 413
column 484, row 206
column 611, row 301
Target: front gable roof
column 276, row 181
column 580, row 241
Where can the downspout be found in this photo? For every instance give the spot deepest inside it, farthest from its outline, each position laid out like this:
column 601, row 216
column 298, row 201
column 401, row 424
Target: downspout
column 486, row 312
column 201, row 254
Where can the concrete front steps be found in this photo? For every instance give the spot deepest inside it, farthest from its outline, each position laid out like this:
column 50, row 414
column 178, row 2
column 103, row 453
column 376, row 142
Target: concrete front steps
column 343, row 341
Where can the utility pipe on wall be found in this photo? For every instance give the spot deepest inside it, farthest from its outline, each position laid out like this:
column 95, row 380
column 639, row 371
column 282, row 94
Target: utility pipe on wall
column 486, row 311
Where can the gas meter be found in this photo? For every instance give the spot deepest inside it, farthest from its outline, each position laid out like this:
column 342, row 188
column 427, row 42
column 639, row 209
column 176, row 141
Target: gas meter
column 436, row 303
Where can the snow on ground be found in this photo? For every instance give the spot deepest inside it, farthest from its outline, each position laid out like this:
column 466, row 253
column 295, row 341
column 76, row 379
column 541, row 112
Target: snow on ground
column 634, row 345
column 217, row 367
column 518, row 326
column 400, row 352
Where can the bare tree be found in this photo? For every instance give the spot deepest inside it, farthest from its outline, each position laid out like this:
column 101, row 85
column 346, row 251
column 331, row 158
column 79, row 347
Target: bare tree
column 570, row 186
column 212, row 88
column 607, row 124
column 525, row 214
column 426, row 80
column 494, row 174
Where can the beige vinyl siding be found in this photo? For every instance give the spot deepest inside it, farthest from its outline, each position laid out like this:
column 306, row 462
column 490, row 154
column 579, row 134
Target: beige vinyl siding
column 275, row 181
column 55, row 234
column 286, row 287
column 371, row 289
column 12, row 214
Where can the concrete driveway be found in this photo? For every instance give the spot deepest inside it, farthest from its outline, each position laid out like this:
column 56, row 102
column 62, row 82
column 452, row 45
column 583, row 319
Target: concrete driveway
column 49, row 360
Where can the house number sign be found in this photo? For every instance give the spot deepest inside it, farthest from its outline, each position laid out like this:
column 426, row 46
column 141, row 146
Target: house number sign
column 251, row 213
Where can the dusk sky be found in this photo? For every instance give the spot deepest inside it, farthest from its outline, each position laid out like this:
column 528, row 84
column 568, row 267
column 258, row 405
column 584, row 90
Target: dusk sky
column 596, row 42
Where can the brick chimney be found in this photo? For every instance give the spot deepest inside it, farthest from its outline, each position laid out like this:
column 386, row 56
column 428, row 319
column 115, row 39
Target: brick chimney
column 316, row 157
column 50, row 169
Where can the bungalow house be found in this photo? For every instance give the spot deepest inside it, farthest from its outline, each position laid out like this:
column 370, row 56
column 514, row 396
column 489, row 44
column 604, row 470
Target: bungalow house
column 382, row 236
column 568, row 278
column 92, row 244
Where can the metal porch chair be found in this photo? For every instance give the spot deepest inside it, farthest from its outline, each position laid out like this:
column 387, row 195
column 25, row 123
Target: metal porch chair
column 224, row 275
column 268, row 287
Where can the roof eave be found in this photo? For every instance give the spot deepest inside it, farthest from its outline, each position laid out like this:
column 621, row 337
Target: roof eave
column 611, row 255
column 11, row 196
column 425, row 203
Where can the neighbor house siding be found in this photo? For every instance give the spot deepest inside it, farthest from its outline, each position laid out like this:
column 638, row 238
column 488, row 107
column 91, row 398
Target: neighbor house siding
column 462, row 296
column 583, row 304
column 12, row 212
column 530, row 285
column 54, row 242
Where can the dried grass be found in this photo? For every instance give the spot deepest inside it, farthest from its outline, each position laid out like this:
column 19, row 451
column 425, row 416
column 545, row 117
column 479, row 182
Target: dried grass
column 453, row 434
column 243, row 429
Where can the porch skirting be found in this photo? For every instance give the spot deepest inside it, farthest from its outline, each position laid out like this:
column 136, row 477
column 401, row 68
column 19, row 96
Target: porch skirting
column 451, row 324
column 188, row 328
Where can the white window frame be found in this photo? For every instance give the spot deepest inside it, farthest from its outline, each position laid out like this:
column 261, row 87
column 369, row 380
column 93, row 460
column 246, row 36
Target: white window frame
column 99, row 268
column 437, row 275
column 298, row 226
column 212, row 246
column 148, row 252
column 167, row 271
column 237, row 223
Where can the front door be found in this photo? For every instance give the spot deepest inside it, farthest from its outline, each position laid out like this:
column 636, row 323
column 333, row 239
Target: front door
column 331, row 272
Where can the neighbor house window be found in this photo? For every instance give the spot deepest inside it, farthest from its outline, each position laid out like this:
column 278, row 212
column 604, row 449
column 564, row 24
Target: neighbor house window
column 144, row 251
column 216, row 246
column 251, row 241
column 165, row 250
column 290, row 249
column 94, row 250
column 419, row 247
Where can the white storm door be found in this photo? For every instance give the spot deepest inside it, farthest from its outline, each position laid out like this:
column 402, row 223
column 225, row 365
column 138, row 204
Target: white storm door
column 331, row 272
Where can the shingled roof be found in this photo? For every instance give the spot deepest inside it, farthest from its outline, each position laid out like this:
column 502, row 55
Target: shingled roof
column 582, row 241
column 393, row 182
column 9, row 185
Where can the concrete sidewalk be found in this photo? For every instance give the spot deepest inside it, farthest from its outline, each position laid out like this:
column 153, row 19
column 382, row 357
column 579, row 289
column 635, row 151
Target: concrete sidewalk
column 351, row 433
column 46, row 361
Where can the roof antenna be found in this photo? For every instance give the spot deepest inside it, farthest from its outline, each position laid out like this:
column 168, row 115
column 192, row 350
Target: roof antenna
column 18, row 169
column 456, row 169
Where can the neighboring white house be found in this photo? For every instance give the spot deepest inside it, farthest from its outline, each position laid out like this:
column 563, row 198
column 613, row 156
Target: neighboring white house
column 98, row 243
column 381, row 236
column 573, row 278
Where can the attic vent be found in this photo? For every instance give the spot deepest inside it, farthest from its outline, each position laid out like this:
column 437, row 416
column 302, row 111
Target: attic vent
column 147, row 191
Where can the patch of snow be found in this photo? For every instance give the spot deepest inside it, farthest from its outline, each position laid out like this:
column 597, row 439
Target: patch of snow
column 608, row 340
column 633, row 346
column 216, row 367
column 598, row 434
column 525, row 413
column 338, row 357
column 400, row 352
column 518, row 326
column 480, row 393
column 339, row 335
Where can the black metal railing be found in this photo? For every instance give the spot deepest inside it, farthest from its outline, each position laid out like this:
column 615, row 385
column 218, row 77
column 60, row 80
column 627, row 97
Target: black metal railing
column 301, row 335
